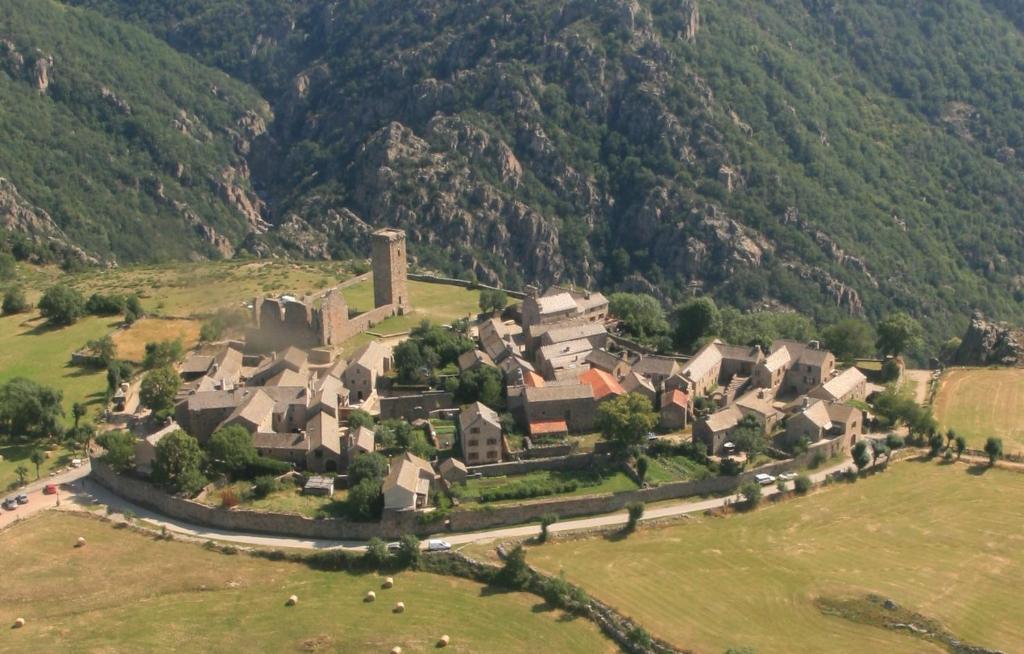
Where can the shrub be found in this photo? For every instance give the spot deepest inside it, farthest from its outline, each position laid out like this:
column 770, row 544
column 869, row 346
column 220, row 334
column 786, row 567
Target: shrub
column 62, row 305
column 409, row 552
column 639, row 636
column 262, row 466
column 817, row 460
column 636, row 511
column 935, row 443
column 376, row 554
column 526, row 490
column 15, row 301
column 546, row 521
column 994, row 449
column 751, row 492
column 228, row 498
column 802, row 484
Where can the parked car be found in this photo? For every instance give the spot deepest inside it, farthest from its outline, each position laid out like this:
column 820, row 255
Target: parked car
column 764, row 479
column 394, row 546
column 438, row 546
column 50, row 489
column 10, row 504
column 76, row 463
column 21, row 499
column 787, row 476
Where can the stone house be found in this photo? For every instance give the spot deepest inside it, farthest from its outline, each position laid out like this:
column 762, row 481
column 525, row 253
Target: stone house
column 634, row 382
column 703, row 370
column 714, row 430
column 473, row 359
column 548, row 309
column 480, row 433
column 359, row 441
column 572, row 403
column 497, row 339
column 291, row 360
column 770, row 372
column 367, row 364
column 145, row 448
column 408, row 484
column 851, row 384
column 824, row 420
column 738, row 360
column 754, row 403
column 561, row 333
column 453, row 471
column 604, row 360
column 656, row 369
column 604, row 385
column 675, row 410
column 811, row 366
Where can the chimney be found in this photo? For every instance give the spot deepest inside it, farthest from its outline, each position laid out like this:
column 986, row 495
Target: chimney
column 757, row 348
column 814, row 345
column 807, row 402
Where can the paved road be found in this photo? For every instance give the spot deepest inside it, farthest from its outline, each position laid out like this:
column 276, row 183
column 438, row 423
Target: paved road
column 86, row 492
column 37, row 501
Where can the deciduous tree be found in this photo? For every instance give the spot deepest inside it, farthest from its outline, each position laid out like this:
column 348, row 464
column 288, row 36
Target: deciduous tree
column 626, row 420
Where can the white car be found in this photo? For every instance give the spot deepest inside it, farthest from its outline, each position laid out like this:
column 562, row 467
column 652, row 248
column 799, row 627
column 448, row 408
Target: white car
column 76, row 463
column 787, row 476
column 764, row 479
column 438, row 546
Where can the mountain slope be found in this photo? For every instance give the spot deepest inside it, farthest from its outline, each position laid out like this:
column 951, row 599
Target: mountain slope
column 832, row 157
column 116, row 143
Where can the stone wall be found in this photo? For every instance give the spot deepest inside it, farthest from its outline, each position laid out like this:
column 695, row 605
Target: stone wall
column 570, row 462
column 414, row 406
column 462, row 283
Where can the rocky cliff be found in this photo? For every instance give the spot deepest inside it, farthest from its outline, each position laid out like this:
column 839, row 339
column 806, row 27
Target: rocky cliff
column 989, row 343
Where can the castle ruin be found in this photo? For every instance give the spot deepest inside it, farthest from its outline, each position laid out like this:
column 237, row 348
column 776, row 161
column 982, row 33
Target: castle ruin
column 288, row 321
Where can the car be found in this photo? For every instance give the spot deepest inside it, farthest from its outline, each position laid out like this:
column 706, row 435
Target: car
column 764, row 479
column 438, row 546
column 10, row 504
column 21, row 499
column 787, row 476
column 651, row 436
column 50, row 489
column 394, row 546
column 76, row 463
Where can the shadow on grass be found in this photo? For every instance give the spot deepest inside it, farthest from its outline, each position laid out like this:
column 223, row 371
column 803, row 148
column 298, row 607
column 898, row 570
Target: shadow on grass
column 978, row 469
column 619, row 535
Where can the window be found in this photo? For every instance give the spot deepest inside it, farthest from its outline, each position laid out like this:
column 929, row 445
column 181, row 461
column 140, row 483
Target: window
column 473, row 443
column 474, row 430
column 473, row 456
column 492, row 441
column 492, row 455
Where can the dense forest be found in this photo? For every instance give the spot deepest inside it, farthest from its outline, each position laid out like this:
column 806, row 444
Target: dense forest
column 830, row 157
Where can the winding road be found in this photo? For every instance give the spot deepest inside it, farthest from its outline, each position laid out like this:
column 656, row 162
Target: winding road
column 79, row 491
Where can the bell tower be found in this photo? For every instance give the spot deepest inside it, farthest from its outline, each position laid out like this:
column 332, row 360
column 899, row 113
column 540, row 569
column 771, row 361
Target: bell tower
column 390, row 286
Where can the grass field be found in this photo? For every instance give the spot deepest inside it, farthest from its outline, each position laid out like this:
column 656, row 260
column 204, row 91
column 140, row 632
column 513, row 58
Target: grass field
column 131, row 342
column 15, row 454
column 29, row 348
column 124, row 592
column 591, row 482
column 983, row 402
column 287, row 500
column 941, row 540
column 666, row 469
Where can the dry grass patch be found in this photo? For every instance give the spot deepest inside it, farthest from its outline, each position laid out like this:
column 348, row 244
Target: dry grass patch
column 983, row 402
column 131, row 342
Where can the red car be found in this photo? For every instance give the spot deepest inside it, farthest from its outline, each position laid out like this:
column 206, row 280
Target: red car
column 50, row 489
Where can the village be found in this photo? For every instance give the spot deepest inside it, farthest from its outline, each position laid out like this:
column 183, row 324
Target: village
column 535, row 376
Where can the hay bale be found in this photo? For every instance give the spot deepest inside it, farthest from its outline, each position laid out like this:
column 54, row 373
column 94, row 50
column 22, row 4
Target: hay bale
column 292, row 601
column 370, row 596
column 443, row 641
column 80, row 542
column 400, row 607
column 19, row 623
column 389, row 582
column 396, row 650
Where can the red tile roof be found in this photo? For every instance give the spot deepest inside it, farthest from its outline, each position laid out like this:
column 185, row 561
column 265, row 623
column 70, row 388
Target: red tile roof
column 603, row 383
column 532, row 379
column 548, row 427
column 678, row 398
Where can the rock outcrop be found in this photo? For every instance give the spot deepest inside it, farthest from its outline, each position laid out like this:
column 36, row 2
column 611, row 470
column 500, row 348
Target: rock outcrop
column 19, row 216
column 989, row 343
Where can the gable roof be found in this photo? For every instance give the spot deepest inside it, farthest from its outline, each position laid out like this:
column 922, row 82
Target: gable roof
column 569, row 332
column 479, row 411
column 817, row 413
column 777, row 360
column 755, row 404
column 558, row 392
column 557, row 303
column 544, row 427
column 196, row 364
column 843, row 383
column 702, row 363
column 472, row 358
column 362, row 438
column 409, row 472
column 322, row 431
column 293, row 358
column 635, row 380
column 602, row 383
column 371, row 355
column 676, row 398
column 725, row 419
column 254, row 409
column 604, row 360
column 287, row 377
column 655, row 365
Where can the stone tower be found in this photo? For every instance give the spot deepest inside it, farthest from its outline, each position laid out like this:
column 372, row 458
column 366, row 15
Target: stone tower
column 389, row 270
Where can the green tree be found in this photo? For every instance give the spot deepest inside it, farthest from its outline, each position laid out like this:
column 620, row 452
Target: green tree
column 372, row 466
column 410, row 364
column 264, row 485
column 546, row 521
column 38, row 458
column 641, row 315
column 62, row 305
column 961, row 445
column 103, row 349
column 120, row 449
column 365, row 500
column 359, row 418
column 749, row 436
column 850, row 339
column 751, row 492
column 78, row 411
column 231, row 450
column 377, row 554
column 409, row 551
column 78, row 438
column 493, row 300
column 899, row 334
column 178, row 463
column 28, row 408
column 8, row 266
column 642, row 464
column 861, row 455
column 635, row 512
column 158, row 390
column 482, row 384
column 162, row 354
column 626, row 420
column 935, row 443
column 994, row 449
column 894, row 441
column 879, row 448
column 15, row 301
column 22, row 472
column 699, row 318
column 515, row 573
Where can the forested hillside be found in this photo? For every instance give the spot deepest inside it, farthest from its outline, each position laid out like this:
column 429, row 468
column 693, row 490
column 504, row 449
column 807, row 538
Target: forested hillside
column 832, row 157
column 113, row 146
